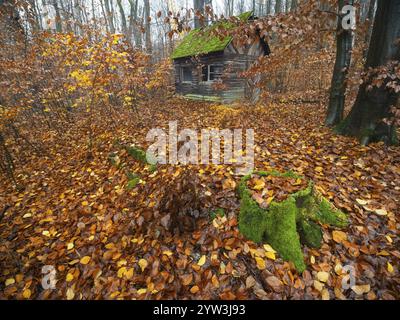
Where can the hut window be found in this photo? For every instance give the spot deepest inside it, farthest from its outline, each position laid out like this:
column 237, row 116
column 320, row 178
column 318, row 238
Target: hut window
column 186, row 74
column 211, row 73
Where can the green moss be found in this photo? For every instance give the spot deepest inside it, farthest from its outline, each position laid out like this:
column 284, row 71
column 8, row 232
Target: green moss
column 133, row 183
column 140, row 155
column 284, row 224
column 281, row 232
column 217, row 213
column 202, row 41
column 310, row 233
column 328, row 214
column 341, row 128
column 114, row 159
column 203, row 98
column 251, row 217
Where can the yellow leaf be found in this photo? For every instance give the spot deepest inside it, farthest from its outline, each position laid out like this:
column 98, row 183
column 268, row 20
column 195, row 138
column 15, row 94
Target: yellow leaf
column 383, row 253
column 339, row 236
column 381, row 212
column 270, row 255
column 143, row 264
column 69, row 277
column 338, row 269
column 361, row 202
column 85, row 203
column 202, row 260
column 85, row 260
column 167, row 253
column 259, row 184
column 27, row 293
column 325, row 294
column 318, row 285
column 129, row 273
column 323, row 276
column 70, row 293
column 390, row 267
column 10, row 281
column 260, row 263
column 142, row 291
column 70, row 246
column 268, row 248
column 121, row 272
column 361, row 289
column 312, row 259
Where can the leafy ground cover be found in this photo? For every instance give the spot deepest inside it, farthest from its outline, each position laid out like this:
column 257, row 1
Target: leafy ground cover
column 121, row 229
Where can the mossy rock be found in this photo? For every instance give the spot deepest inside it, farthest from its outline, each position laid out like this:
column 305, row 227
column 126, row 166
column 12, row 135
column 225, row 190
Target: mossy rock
column 141, row 156
column 287, row 224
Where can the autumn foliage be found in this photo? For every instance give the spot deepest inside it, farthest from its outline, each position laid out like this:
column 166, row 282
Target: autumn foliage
column 77, row 194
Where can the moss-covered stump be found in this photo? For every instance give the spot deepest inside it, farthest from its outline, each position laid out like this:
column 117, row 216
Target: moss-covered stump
column 284, row 210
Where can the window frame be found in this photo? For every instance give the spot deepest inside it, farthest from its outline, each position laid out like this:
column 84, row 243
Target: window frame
column 209, row 73
column 181, row 74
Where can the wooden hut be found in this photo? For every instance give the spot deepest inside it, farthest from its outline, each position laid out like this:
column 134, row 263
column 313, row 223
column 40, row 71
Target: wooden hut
column 210, row 67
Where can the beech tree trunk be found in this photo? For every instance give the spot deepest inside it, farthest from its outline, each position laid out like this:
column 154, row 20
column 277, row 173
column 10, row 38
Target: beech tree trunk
column 124, row 27
column 278, row 6
column 147, row 25
column 373, row 104
column 344, row 41
column 370, row 20
column 110, row 17
column 198, row 5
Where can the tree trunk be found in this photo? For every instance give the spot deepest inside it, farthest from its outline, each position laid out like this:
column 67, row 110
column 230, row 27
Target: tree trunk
column 269, row 7
column 58, row 16
column 293, row 5
column 10, row 22
column 109, row 17
column 278, row 6
column 198, row 6
column 373, row 104
column 147, row 25
column 370, row 20
column 344, row 40
column 124, row 27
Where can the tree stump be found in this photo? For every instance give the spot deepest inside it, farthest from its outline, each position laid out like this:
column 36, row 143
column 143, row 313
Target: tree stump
column 285, row 221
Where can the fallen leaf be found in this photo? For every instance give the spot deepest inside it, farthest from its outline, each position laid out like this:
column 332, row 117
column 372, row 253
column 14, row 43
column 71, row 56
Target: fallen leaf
column 323, row 276
column 69, row 277
column 85, row 260
column 275, row 283
column 142, row 291
column 339, row 236
column 361, row 202
column 270, row 255
column 194, row 289
column 361, row 289
column 260, row 263
column 143, row 264
column 9, row 281
column 70, row 294
column 202, row 260
column 325, row 294
column 250, row 282
column 26, row 293
column 381, row 212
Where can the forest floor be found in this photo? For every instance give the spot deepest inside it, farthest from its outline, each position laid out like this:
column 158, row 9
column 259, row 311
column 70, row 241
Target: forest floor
column 107, row 241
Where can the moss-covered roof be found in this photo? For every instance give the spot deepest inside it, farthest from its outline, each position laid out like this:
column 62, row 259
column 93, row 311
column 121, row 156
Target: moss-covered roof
column 201, row 41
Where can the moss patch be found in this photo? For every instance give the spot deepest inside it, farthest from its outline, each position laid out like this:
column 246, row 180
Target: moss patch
column 286, row 224
column 141, row 156
column 202, row 41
